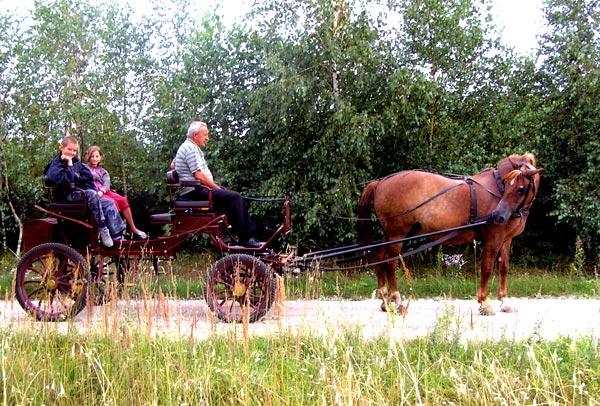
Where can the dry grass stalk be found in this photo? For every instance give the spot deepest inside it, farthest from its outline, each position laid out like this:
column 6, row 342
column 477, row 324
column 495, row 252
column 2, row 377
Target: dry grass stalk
column 279, row 296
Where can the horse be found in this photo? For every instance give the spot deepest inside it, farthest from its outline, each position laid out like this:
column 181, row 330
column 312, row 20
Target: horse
column 414, row 202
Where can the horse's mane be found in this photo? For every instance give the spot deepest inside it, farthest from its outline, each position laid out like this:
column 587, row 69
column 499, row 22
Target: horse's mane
column 505, row 166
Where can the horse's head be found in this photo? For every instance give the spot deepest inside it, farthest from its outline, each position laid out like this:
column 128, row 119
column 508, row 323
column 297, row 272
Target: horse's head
column 521, row 182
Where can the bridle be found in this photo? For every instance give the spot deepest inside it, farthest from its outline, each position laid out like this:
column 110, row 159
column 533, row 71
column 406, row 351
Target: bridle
column 523, row 209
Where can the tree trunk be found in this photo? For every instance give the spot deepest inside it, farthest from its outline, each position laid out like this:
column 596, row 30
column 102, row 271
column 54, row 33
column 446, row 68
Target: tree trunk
column 12, row 209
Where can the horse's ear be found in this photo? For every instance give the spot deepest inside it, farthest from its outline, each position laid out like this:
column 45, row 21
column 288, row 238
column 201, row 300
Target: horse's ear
column 530, row 172
column 514, row 165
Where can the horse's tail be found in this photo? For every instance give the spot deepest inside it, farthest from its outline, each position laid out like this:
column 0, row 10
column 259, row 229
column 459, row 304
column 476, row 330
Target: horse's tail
column 364, row 225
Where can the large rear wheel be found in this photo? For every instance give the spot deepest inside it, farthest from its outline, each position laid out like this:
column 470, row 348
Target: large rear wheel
column 52, row 282
column 237, row 284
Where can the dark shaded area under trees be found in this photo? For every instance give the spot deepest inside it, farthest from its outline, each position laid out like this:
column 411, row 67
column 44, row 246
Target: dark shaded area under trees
column 311, row 98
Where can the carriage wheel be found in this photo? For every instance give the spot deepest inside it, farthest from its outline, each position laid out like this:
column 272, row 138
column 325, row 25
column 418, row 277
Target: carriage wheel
column 239, row 282
column 52, row 282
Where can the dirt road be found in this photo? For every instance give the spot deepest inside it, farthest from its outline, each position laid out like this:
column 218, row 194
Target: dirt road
column 536, row 318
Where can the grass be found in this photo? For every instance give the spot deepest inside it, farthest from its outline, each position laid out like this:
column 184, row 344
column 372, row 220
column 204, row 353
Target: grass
column 122, row 362
column 285, row 369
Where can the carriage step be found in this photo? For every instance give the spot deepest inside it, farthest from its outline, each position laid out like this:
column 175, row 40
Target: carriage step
column 203, row 205
column 162, row 218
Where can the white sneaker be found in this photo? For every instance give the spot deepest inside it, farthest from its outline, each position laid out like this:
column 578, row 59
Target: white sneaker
column 141, row 235
column 105, row 237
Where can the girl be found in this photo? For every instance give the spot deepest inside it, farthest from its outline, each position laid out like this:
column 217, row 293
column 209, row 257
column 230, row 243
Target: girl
column 102, row 184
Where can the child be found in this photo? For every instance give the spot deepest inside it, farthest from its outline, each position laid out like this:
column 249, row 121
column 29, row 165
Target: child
column 68, row 173
column 102, row 185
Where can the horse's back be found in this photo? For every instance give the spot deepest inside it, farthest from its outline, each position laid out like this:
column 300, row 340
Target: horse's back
column 431, row 200
column 410, row 188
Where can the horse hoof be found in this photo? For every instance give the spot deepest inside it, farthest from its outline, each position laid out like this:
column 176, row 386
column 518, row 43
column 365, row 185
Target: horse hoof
column 485, row 309
column 401, row 309
column 508, row 308
column 394, row 307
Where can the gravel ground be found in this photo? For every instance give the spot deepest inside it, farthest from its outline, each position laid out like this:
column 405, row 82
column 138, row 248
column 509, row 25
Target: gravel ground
column 536, row 318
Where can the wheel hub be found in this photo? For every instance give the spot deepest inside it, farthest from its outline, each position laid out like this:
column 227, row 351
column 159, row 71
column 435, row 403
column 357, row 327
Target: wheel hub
column 239, row 289
column 51, row 284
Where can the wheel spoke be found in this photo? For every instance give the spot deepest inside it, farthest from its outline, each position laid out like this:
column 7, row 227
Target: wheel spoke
column 35, row 292
column 48, row 263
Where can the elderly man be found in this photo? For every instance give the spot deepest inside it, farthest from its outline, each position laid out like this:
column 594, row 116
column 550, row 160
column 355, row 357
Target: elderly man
column 191, row 165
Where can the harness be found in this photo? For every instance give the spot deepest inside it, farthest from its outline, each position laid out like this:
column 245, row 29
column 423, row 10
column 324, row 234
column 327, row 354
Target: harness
column 473, row 210
column 521, row 211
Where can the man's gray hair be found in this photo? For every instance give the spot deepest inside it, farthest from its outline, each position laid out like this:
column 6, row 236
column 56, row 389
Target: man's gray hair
column 194, row 127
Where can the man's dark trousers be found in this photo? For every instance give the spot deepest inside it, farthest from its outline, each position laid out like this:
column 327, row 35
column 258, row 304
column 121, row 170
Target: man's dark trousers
column 229, row 202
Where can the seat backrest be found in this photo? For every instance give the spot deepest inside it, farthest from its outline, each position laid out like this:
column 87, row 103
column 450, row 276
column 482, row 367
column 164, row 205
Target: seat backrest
column 172, row 183
column 78, row 209
column 172, row 178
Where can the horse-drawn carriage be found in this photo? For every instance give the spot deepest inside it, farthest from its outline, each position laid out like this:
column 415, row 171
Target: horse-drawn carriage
column 65, row 266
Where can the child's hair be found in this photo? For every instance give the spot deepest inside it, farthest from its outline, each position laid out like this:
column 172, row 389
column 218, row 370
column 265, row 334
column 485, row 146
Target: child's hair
column 69, row 139
column 91, row 150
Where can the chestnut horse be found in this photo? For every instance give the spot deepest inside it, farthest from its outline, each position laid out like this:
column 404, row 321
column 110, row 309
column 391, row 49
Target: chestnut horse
column 410, row 203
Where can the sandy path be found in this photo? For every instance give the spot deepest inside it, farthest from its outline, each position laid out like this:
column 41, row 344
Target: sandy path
column 537, row 318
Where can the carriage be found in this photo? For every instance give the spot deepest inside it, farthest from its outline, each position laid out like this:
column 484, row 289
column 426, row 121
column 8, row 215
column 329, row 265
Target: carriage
column 66, row 267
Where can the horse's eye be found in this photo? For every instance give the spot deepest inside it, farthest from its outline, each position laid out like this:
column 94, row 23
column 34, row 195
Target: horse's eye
column 521, row 190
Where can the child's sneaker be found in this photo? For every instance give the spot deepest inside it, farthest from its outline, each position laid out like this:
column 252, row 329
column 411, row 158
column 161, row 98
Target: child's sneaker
column 139, row 234
column 105, row 237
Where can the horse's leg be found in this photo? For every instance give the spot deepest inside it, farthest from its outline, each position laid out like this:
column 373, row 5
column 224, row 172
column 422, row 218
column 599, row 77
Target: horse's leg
column 395, row 297
column 503, row 263
column 381, row 272
column 490, row 253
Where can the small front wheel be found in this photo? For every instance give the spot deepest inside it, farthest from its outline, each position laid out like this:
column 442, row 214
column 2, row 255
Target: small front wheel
column 239, row 283
column 52, row 282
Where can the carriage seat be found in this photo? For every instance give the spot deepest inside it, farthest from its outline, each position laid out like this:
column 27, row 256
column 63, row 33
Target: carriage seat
column 173, row 183
column 180, row 206
column 78, row 209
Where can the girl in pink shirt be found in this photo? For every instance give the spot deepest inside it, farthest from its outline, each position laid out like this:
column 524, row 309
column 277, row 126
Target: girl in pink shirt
column 102, row 184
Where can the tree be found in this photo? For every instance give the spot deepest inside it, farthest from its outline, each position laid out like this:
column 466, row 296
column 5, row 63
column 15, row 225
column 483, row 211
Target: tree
column 9, row 38
column 457, row 50
column 569, row 81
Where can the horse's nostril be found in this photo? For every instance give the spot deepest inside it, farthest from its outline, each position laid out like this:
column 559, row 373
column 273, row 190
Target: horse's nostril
column 500, row 219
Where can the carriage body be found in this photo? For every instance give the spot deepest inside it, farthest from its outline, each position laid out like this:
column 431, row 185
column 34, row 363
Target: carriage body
column 66, row 267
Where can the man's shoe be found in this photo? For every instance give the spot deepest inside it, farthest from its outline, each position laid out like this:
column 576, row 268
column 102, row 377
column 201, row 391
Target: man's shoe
column 252, row 243
column 105, row 237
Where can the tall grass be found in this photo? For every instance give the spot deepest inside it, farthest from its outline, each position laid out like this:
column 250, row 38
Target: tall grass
column 123, row 363
column 285, row 369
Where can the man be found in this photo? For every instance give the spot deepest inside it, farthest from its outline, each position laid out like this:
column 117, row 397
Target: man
column 191, row 165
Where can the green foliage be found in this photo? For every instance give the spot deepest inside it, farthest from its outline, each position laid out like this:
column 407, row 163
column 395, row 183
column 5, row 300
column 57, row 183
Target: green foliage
column 570, row 86
column 310, row 98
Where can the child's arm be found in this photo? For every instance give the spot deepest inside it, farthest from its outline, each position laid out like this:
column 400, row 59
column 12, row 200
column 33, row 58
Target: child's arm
column 61, row 174
column 106, row 181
